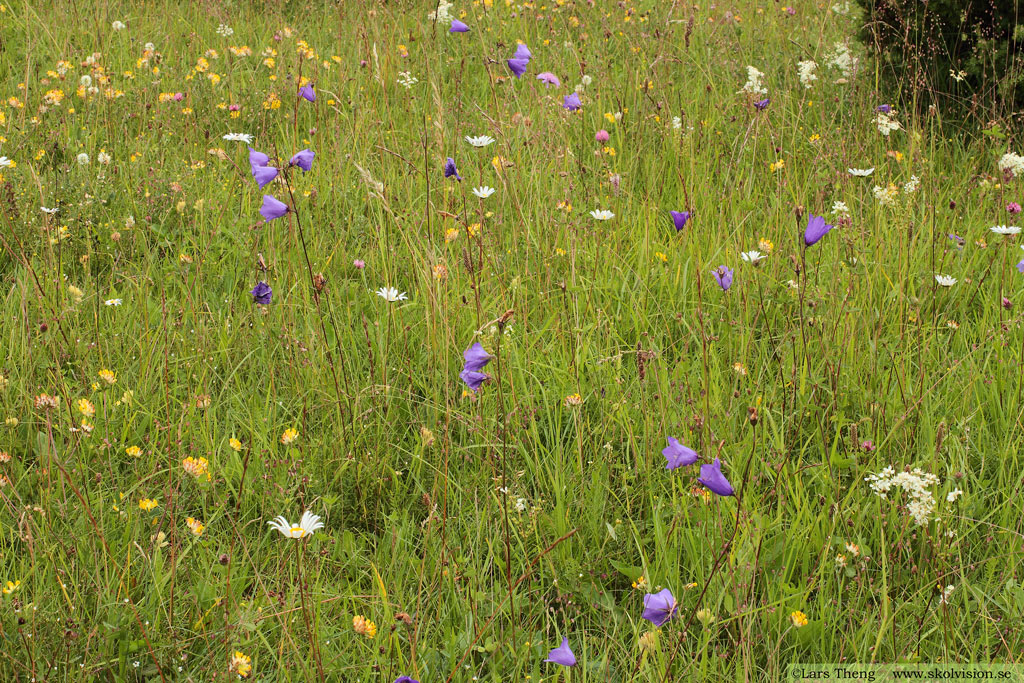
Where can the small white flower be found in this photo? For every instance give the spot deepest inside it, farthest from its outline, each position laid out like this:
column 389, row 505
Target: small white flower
column 953, row 495
column 586, row 80
column 483, row 192
column 1005, row 229
column 480, row 140
column 406, row 79
column 49, row 211
column 5, row 162
column 306, row 526
column 945, row 280
column 861, row 172
column 602, row 215
column 103, row 158
column 82, row 159
column 112, row 302
column 225, row 30
column 238, row 137
column 753, row 257
column 912, row 184
column 840, row 208
column 391, row 294
column 85, row 81
column 118, row 26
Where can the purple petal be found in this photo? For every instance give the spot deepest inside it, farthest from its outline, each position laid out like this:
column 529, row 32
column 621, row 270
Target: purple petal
column 562, row 655
column 678, row 455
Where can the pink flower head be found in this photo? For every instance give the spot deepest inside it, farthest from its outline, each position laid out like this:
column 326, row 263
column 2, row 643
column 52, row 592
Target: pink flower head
column 178, row 97
column 602, row 135
column 1013, row 207
column 359, row 263
column 549, row 78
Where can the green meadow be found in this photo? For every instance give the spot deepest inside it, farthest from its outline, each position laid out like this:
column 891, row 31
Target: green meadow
column 861, row 388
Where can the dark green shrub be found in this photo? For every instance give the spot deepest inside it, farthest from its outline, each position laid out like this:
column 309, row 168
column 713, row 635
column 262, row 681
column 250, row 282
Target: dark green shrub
column 961, row 55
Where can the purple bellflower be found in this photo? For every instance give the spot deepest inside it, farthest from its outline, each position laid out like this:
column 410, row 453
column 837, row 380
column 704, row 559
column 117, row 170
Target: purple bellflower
column 571, row 102
column 475, row 359
column 659, row 607
column 261, row 293
column 816, row 229
column 711, row 476
column 257, row 158
column 272, row 208
column 562, row 655
column 303, row 159
column 679, row 218
column 458, row 27
column 406, row 679
column 723, row 274
column 307, row 93
column 678, row 455
column 761, row 105
column 263, row 174
column 517, row 66
column 450, row 170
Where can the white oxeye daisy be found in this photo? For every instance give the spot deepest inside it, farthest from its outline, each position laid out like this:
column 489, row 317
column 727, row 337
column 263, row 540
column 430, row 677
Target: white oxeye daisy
column 50, row 211
column 479, row 140
column 754, row 257
column 5, row 162
column 945, row 280
column 483, row 192
column 861, row 172
column 602, row 215
column 1005, row 229
column 112, row 302
column 391, row 294
column 306, row 526
column 238, row 137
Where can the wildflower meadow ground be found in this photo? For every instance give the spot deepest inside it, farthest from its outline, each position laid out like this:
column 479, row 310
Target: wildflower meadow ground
column 495, row 340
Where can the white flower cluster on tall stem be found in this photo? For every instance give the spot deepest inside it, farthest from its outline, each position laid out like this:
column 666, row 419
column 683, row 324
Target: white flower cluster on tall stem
column 915, row 484
column 1011, row 163
column 754, row 86
column 805, row 71
column 886, row 124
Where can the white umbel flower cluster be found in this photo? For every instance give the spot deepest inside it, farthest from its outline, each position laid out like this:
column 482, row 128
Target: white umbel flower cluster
column 885, row 195
column 843, row 60
column 805, row 72
column 886, row 124
column 754, row 86
column 1011, row 163
column 443, row 12
column 915, row 484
